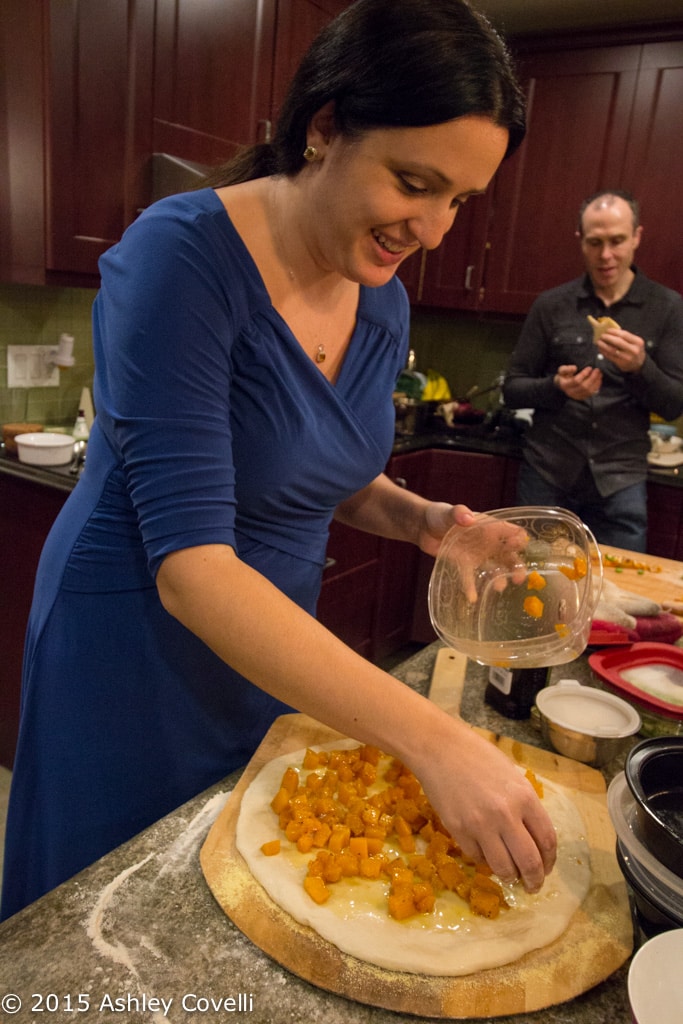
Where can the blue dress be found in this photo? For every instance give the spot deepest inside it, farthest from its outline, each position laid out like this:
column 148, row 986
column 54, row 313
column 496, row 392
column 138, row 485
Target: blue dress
column 213, row 426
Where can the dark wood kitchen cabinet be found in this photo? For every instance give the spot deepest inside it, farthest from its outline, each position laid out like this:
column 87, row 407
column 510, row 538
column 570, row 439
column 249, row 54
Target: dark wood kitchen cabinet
column 452, row 276
column 664, row 520
column 27, row 511
column 398, row 565
column 75, row 121
column 92, row 89
column 601, row 116
column 607, row 117
column 212, row 76
column 349, row 590
column 507, row 246
column 653, row 157
column 298, row 23
column 579, row 110
column 222, row 70
column 368, row 589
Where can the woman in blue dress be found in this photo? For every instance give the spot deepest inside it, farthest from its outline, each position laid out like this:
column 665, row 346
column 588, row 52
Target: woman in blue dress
column 247, row 339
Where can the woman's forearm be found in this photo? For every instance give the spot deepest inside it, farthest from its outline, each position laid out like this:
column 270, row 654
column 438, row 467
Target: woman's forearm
column 268, row 639
column 385, row 509
column 393, row 512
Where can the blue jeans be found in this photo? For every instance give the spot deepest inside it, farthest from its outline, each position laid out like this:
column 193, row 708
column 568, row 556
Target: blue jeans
column 619, row 520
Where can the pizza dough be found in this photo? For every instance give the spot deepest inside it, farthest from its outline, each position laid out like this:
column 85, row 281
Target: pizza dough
column 602, row 324
column 450, row 941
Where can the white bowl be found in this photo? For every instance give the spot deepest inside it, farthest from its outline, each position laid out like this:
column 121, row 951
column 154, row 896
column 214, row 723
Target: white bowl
column 45, row 449
column 655, row 983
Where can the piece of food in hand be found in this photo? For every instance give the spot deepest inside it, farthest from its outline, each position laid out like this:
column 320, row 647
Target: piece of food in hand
column 602, row 324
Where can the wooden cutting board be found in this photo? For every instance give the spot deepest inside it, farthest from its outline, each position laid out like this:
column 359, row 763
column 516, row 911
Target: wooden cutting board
column 448, row 680
column 598, row 940
column 663, row 586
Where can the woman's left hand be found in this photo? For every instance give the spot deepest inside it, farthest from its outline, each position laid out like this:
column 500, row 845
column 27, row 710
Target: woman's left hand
column 439, row 517
column 482, row 539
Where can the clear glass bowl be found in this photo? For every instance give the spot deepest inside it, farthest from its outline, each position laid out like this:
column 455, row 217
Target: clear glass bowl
column 517, row 588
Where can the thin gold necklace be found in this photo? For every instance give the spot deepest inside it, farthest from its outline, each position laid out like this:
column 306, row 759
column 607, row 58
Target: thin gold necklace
column 320, row 354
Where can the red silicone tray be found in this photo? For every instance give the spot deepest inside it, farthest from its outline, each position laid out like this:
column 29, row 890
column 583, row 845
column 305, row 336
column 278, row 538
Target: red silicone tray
column 609, row 665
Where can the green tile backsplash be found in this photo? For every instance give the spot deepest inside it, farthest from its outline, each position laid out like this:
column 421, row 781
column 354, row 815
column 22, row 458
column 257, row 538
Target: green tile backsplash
column 36, row 315
column 465, row 349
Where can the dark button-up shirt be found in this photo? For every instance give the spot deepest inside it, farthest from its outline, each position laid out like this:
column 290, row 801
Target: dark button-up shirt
column 606, row 433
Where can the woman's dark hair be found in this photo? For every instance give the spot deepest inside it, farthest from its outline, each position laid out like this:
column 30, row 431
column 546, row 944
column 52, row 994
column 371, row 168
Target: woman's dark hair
column 391, row 64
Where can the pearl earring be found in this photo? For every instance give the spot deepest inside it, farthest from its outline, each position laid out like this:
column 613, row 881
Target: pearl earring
column 311, row 154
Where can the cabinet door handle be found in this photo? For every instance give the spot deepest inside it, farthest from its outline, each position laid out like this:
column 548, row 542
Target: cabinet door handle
column 329, row 562
column 267, row 129
column 401, row 481
column 468, row 277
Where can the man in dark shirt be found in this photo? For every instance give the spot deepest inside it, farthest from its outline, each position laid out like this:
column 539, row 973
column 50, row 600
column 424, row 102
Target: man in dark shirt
column 587, row 447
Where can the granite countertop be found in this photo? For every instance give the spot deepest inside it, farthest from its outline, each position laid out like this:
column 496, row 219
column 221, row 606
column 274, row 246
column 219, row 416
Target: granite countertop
column 501, row 441
column 139, row 937
column 465, row 438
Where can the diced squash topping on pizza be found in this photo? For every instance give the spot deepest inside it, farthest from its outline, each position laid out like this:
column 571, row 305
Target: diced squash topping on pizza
column 356, row 825
column 316, row 889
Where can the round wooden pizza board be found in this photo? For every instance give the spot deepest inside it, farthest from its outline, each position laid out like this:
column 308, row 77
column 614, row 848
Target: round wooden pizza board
column 598, row 940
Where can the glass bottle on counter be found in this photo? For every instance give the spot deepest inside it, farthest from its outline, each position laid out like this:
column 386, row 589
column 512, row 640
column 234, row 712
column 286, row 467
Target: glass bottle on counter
column 80, row 431
column 512, row 692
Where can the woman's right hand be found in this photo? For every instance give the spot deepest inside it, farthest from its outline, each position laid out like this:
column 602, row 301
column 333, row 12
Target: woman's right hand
column 489, row 806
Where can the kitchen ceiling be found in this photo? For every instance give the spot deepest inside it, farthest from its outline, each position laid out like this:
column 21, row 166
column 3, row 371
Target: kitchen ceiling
column 513, row 17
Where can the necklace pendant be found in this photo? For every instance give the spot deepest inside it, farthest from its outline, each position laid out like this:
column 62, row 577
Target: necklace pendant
column 320, row 355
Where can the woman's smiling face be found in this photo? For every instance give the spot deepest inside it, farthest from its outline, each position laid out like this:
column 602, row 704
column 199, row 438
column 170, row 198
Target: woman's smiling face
column 373, row 201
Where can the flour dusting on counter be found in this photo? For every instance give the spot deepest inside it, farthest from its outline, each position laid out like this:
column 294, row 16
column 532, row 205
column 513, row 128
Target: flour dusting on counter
column 115, row 951
column 185, row 847
column 175, row 858
column 108, row 924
